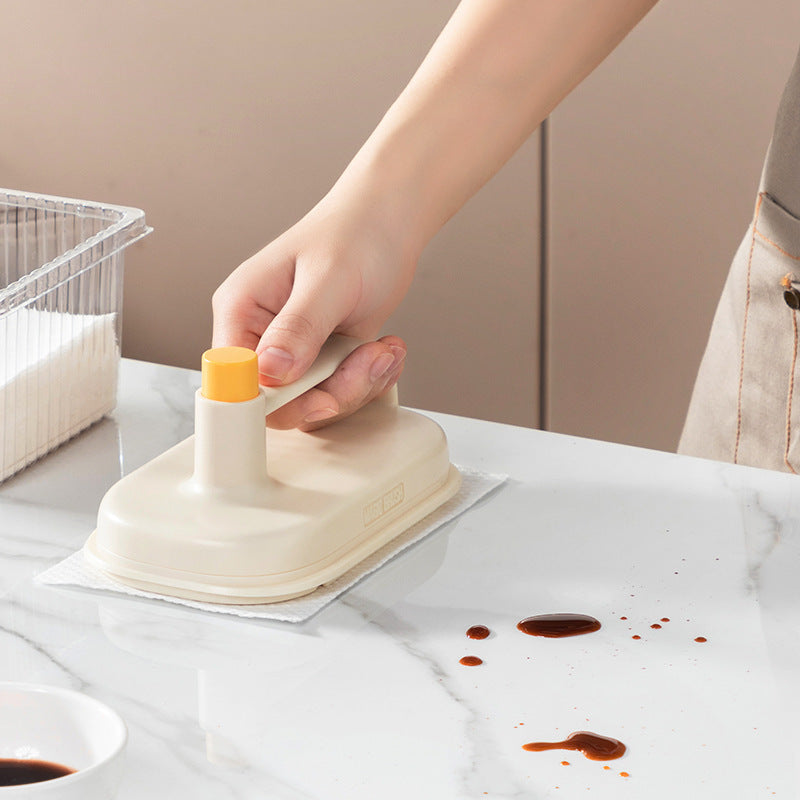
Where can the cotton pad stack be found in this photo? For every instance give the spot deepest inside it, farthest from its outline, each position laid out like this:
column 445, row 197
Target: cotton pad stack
column 58, row 375
column 61, row 279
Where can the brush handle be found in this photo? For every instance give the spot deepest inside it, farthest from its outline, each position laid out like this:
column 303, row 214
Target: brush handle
column 333, row 352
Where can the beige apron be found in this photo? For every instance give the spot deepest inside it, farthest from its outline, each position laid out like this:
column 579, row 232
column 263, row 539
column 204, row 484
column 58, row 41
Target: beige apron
column 746, row 402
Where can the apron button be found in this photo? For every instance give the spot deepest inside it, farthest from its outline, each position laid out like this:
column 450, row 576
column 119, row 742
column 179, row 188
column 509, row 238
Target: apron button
column 791, row 295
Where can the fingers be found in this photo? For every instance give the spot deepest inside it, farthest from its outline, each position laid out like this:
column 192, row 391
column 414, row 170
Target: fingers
column 365, row 374
column 246, row 302
column 237, row 323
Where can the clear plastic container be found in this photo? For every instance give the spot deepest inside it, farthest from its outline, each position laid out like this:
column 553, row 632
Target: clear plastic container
column 60, row 318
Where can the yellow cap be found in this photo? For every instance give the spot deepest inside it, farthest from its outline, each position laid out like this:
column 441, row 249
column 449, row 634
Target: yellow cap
column 230, row 374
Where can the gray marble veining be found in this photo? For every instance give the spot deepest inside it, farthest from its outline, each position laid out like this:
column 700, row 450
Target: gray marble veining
column 368, row 700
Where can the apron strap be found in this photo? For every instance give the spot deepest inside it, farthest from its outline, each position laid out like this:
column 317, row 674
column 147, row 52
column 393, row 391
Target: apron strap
column 781, row 176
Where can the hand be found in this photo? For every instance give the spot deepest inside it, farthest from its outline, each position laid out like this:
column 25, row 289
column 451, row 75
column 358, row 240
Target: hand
column 340, row 269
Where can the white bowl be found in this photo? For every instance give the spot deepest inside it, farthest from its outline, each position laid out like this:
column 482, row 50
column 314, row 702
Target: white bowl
column 66, row 727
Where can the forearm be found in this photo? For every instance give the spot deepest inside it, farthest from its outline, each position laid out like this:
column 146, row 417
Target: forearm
column 496, row 71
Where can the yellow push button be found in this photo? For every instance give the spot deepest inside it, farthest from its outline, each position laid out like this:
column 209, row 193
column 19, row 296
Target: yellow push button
column 229, row 374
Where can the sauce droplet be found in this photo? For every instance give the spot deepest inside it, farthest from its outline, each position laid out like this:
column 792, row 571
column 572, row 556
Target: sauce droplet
column 701, row 639
column 665, row 619
column 565, row 763
column 557, row 626
column 470, row 661
column 635, row 636
column 478, row 632
column 592, row 745
column 655, row 625
column 625, row 774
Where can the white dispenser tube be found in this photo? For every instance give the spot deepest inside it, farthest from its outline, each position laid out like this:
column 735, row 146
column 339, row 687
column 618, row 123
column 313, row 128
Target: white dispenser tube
column 230, row 446
column 230, row 436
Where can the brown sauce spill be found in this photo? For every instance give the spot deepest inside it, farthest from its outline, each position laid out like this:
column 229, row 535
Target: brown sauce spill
column 701, row 639
column 636, row 637
column 470, row 661
column 19, row 771
column 655, row 625
column 557, row 626
column 593, row 746
column 478, row 632
column 623, row 618
column 665, row 619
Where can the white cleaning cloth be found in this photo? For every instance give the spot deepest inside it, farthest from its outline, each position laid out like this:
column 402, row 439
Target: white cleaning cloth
column 75, row 571
column 58, row 375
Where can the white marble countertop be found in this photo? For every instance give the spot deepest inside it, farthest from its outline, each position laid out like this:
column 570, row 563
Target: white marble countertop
column 368, row 699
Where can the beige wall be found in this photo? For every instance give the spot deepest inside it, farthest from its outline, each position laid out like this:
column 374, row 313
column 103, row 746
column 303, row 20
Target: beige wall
column 654, row 165
column 225, row 122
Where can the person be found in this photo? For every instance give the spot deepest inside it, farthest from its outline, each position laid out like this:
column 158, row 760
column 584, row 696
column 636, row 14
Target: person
column 495, row 72
column 743, row 408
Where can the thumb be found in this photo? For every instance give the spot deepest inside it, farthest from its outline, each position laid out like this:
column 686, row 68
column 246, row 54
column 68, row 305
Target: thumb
column 293, row 339
column 289, row 346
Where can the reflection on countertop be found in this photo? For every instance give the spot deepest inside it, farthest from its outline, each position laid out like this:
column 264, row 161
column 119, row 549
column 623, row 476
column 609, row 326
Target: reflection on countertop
column 368, row 698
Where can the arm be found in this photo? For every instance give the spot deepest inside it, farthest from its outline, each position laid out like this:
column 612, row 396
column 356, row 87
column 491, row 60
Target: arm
column 495, row 72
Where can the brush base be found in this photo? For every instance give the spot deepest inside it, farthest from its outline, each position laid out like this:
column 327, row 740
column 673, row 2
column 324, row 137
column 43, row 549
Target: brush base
column 334, row 497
